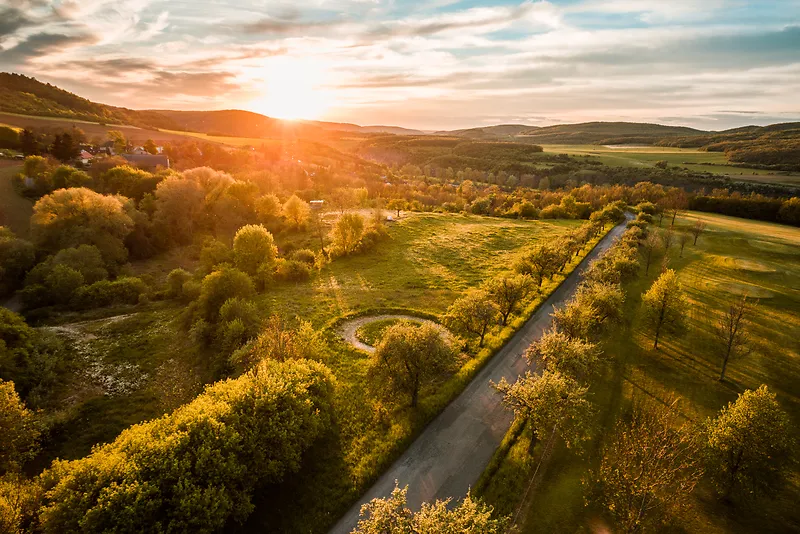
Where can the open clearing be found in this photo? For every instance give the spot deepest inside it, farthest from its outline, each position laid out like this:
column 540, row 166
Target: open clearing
column 732, row 257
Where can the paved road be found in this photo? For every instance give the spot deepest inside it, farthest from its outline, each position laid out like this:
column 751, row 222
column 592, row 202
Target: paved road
column 454, row 449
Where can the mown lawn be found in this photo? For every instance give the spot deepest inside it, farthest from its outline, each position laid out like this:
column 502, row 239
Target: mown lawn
column 731, row 257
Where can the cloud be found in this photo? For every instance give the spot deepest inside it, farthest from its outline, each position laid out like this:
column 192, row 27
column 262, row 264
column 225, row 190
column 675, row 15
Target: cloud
column 42, row 44
column 11, row 20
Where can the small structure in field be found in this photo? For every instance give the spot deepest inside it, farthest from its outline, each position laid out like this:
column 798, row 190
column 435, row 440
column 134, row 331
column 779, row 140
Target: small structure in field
column 148, row 162
column 316, row 204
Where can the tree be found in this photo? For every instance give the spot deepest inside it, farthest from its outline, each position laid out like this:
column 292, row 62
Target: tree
column 253, row 247
column 29, row 143
column 16, row 257
column 268, row 208
column 667, row 238
column 749, row 444
column 408, row 358
column 606, row 299
column 318, row 225
column 79, row 216
column 296, row 210
column 196, row 468
column 697, row 228
column 128, row 181
column 397, row 204
column 648, row 469
column 665, row 305
column 575, row 319
column 118, row 138
column 683, row 240
column 220, row 286
column 347, row 232
column 179, row 205
column 508, row 291
column 650, row 245
column 552, row 403
column 390, row 516
column 573, row 357
column 472, row 314
column 150, row 147
column 19, row 432
column 540, row 262
column 64, row 149
column 732, row 331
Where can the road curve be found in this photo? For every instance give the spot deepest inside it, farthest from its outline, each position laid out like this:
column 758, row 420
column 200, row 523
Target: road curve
column 451, row 453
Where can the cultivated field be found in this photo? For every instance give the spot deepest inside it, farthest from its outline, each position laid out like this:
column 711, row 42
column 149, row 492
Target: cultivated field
column 734, row 256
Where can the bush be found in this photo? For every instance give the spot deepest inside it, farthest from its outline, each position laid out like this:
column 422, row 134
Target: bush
column 195, row 470
column 292, row 270
column 304, row 255
column 124, row 290
column 176, row 279
column 220, row 286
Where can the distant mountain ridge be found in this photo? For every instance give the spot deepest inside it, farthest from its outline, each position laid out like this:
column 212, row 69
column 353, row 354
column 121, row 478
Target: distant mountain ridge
column 28, row 96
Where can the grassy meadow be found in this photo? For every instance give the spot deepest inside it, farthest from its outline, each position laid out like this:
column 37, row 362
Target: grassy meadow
column 732, row 257
column 688, row 158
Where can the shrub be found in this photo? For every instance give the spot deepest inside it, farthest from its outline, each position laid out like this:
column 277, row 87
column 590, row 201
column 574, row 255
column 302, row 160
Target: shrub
column 304, row 255
column 253, row 247
column 124, row 290
column 292, row 270
column 220, row 286
column 175, row 282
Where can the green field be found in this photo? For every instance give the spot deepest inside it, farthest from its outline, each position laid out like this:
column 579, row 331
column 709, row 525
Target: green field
column 733, row 256
column 688, row 158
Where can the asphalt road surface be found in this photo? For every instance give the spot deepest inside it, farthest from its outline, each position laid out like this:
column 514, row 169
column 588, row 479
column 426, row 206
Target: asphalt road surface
column 454, row 449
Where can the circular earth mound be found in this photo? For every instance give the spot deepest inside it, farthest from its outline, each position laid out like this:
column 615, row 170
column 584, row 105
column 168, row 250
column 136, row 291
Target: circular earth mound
column 753, row 265
column 736, row 288
column 366, row 332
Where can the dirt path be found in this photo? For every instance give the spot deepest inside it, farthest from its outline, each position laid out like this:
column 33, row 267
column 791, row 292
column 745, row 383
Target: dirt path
column 454, row 449
column 349, row 328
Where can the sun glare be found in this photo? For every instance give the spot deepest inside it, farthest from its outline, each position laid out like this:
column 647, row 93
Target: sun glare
column 295, row 89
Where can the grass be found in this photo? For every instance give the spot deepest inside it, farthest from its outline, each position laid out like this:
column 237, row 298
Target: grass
column 732, row 256
column 15, row 210
column 372, row 333
column 688, row 158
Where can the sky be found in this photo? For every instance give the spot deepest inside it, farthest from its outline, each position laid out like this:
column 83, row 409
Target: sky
column 443, row 64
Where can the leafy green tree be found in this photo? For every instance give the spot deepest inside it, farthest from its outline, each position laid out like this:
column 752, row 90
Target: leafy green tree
column 128, row 181
column 391, row 516
column 347, row 232
column 214, row 253
column 62, row 282
column 268, row 208
column 552, row 403
column 119, row 140
column 150, row 147
column 220, row 286
column 664, row 306
column 472, row 314
column 16, row 257
column 79, row 216
column 572, row 357
column 253, row 247
column 408, row 358
column 175, row 281
column 296, row 210
column 576, row 320
column 508, row 292
column 607, row 299
column 540, row 262
column 19, row 503
column 397, row 204
column 179, row 206
column 19, row 431
column 749, row 445
column 195, row 469
column 648, row 469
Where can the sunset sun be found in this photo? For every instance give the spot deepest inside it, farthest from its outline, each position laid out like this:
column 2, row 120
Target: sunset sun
column 294, row 89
